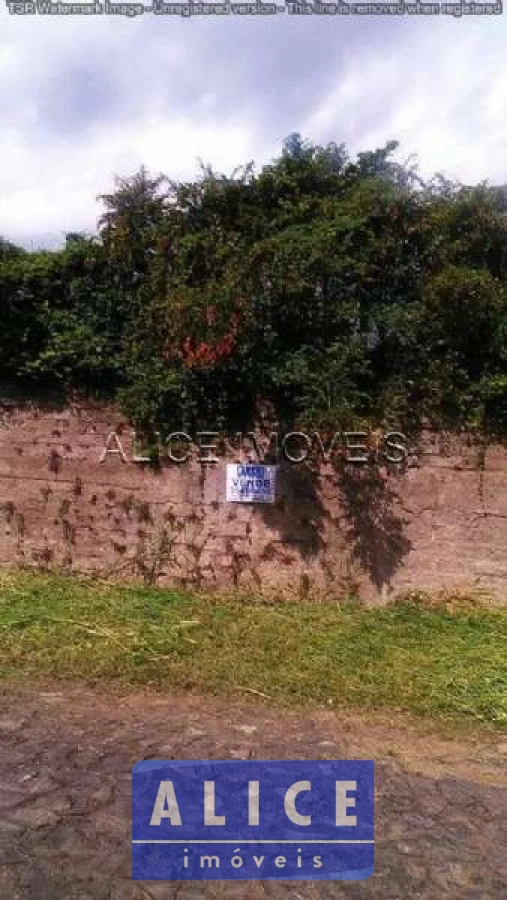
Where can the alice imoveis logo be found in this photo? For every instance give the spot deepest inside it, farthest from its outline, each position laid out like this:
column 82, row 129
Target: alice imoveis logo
column 253, row 819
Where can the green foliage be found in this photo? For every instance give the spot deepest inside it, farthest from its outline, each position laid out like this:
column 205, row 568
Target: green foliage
column 333, row 289
column 414, row 657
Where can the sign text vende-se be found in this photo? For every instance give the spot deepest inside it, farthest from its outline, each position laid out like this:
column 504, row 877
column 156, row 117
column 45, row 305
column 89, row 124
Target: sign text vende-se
column 250, row 483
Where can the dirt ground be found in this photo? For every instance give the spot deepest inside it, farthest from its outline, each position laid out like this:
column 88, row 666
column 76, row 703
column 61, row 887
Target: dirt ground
column 66, row 755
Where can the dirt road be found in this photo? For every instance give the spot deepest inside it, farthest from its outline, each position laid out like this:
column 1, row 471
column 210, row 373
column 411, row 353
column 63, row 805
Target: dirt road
column 65, row 766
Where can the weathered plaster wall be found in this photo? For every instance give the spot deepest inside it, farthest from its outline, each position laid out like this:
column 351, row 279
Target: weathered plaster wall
column 439, row 523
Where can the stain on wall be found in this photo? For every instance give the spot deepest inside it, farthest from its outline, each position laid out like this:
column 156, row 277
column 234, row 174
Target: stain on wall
column 439, row 522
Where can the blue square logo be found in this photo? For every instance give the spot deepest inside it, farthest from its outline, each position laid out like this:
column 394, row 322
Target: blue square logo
column 253, row 819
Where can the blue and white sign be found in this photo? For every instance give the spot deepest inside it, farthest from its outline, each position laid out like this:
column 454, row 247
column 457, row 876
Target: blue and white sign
column 253, row 819
column 250, row 483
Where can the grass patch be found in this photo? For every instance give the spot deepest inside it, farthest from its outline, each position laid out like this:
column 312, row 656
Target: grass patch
column 408, row 657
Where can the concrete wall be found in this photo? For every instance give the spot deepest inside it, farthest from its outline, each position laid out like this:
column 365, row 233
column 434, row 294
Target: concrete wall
column 440, row 522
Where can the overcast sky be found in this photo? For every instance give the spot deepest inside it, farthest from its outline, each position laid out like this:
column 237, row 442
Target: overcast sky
column 85, row 98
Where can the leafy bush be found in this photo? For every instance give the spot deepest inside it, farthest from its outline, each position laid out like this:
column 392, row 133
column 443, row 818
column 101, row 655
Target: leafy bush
column 334, row 290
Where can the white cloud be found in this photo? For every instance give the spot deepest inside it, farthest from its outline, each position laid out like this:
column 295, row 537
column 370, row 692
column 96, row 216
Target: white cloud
column 84, row 99
column 441, row 93
column 56, row 191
